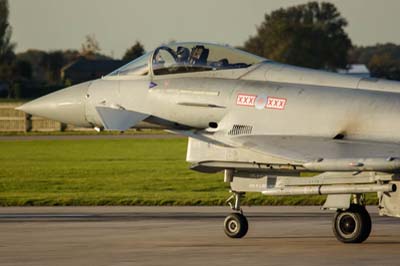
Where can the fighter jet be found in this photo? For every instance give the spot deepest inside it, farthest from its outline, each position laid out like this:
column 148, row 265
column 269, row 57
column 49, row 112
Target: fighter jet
column 262, row 123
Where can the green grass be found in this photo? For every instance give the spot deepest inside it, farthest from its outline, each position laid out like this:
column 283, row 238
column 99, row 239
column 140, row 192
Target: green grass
column 13, row 100
column 82, row 133
column 112, row 172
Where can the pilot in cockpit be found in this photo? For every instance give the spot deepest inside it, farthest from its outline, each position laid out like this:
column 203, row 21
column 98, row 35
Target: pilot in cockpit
column 199, row 55
column 182, row 55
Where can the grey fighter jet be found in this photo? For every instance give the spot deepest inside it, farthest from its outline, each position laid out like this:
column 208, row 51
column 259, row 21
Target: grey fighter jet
column 259, row 122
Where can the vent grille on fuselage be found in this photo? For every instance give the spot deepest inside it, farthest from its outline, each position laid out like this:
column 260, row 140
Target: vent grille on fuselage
column 240, row 130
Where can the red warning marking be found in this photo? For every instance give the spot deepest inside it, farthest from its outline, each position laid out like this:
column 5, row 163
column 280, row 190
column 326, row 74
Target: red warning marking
column 275, row 103
column 246, row 99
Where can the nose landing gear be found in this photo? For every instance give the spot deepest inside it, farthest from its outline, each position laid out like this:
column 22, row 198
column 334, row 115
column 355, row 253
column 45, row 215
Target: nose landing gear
column 235, row 224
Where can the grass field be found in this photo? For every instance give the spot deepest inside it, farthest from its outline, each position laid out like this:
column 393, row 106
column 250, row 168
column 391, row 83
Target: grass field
column 83, row 133
column 112, row 172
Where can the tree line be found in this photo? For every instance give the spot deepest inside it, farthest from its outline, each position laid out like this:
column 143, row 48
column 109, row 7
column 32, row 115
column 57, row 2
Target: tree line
column 310, row 35
column 34, row 72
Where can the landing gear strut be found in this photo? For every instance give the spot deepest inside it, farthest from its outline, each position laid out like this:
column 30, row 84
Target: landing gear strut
column 235, row 224
column 352, row 225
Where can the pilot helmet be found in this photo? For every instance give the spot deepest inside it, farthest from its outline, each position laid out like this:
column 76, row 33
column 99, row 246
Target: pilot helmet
column 182, row 54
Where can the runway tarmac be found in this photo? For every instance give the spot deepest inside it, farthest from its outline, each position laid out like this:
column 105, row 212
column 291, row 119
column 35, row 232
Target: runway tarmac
column 185, row 236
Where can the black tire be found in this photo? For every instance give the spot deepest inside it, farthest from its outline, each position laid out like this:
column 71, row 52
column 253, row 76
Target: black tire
column 352, row 225
column 236, row 225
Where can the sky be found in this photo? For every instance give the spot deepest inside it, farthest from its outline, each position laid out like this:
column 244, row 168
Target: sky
column 117, row 24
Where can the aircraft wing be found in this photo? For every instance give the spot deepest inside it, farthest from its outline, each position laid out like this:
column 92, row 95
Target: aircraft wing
column 313, row 150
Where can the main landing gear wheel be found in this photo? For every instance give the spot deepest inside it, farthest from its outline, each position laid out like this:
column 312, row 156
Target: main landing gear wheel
column 236, row 225
column 352, row 225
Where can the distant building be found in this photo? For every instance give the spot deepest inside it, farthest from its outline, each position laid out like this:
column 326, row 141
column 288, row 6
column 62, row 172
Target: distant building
column 358, row 70
column 84, row 69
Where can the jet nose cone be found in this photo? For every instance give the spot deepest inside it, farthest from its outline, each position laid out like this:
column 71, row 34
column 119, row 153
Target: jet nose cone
column 67, row 105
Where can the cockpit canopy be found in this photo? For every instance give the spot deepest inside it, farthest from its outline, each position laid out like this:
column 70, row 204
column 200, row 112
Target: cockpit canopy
column 179, row 58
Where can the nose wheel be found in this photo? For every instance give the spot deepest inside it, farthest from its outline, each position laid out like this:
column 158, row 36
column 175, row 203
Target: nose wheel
column 235, row 224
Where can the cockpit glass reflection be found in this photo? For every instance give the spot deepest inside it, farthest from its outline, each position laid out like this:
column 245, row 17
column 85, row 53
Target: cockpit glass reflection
column 192, row 57
column 138, row 67
column 188, row 57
